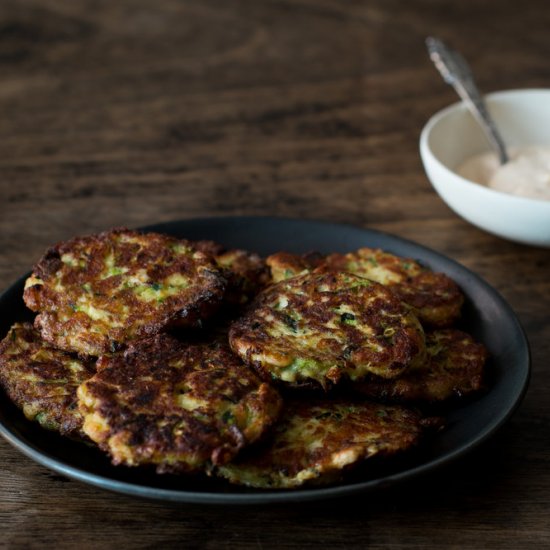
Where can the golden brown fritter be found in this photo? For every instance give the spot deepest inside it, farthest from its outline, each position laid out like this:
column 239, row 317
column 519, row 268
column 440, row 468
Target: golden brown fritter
column 454, row 369
column 317, row 442
column 42, row 380
column 180, row 407
column 96, row 293
column 285, row 265
column 321, row 328
column 246, row 272
column 436, row 299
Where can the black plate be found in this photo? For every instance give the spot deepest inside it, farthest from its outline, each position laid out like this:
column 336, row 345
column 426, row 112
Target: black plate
column 486, row 316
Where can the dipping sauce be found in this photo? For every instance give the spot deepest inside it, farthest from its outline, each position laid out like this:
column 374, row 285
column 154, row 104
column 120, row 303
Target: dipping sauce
column 526, row 174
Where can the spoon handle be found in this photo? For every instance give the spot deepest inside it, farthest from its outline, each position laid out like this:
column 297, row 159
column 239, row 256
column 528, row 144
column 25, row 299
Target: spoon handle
column 456, row 72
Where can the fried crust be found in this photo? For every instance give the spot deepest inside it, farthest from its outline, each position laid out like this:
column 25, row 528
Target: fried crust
column 435, row 297
column 246, row 272
column 321, row 328
column 285, row 265
column 94, row 294
column 180, row 407
column 42, row 380
column 318, row 442
column 454, row 369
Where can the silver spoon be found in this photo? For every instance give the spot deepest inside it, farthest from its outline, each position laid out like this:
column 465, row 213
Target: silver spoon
column 456, row 72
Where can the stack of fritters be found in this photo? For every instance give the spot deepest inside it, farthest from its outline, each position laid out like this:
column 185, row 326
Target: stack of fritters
column 105, row 305
column 453, row 364
column 350, row 341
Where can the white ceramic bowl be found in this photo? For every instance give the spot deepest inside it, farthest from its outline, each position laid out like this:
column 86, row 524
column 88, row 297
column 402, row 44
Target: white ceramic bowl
column 452, row 135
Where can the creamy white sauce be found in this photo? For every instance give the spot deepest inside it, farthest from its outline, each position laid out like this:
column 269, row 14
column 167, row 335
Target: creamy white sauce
column 526, row 174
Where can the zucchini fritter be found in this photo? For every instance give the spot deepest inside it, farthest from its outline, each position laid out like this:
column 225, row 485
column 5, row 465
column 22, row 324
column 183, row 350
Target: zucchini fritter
column 96, row 293
column 454, row 369
column 246, row 272
column 316, row 442
column 320, row 328
column 435, row 297
column 285, row 265
column 42, row 380
column 180, row 407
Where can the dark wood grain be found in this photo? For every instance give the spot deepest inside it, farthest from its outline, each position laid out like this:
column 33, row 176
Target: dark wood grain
column 135, row 112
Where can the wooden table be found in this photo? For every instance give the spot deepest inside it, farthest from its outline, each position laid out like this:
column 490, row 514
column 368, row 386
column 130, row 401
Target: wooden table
column 136, row 112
